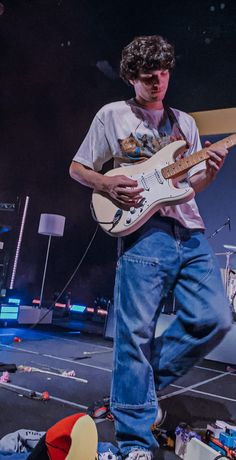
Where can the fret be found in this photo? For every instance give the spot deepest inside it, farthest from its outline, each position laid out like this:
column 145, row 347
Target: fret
column 182, row 166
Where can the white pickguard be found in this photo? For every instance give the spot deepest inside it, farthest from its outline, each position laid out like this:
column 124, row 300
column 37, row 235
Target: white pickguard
column 157, row 193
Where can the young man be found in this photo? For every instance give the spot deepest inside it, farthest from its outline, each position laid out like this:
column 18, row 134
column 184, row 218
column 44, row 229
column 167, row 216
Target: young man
column 169, row 251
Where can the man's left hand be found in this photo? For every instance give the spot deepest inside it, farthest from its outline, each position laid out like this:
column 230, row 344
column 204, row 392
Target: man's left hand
column 216, row 160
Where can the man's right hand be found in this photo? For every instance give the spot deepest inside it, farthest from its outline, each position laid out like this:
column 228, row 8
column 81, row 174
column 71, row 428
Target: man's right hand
column 118, row 187
column 122, row 189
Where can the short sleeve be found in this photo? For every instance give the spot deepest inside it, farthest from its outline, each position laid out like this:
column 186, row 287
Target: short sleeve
column 195, row 146
column 94, row 150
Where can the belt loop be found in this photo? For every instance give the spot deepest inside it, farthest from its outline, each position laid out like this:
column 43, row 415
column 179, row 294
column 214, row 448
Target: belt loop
column 177, row 231
column 120, row 247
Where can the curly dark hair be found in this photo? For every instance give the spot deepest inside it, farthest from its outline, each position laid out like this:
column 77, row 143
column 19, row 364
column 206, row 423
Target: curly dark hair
column 151, row 52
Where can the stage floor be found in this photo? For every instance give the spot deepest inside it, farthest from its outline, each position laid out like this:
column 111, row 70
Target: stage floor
column 206, row 393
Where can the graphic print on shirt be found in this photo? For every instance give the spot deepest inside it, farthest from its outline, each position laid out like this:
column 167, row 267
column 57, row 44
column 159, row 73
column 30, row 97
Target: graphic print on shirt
column 132, row 148
column 153, row 131
column 143, row 146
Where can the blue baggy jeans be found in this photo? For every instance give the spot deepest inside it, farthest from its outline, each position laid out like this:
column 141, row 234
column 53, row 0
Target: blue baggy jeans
column 162, row 255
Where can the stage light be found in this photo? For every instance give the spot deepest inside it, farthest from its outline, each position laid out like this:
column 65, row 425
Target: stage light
column 60, row 305
column 101, row 311
column 18, row 247
column 73, row 332
column 35, row 301
column 16, row 301
column 78, row 308
column 9, row 313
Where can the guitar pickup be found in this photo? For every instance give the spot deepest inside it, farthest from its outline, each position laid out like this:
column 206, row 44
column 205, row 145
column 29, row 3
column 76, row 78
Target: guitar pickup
column 144, row 184
column 158, row 177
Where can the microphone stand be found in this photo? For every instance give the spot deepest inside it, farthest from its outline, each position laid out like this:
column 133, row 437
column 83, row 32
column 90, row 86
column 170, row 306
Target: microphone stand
column 227, row 222
column 228, row 254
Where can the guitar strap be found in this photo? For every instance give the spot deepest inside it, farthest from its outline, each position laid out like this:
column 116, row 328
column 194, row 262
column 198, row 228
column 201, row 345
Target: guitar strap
column 173, row 120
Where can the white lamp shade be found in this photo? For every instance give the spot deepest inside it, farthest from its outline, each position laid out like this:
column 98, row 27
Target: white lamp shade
column 51, row 224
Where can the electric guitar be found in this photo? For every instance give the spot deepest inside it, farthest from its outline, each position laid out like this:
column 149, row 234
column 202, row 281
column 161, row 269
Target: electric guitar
column 158, row 177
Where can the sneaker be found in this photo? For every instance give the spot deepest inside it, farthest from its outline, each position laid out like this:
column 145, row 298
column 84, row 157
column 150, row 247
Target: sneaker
column 107, row 456
column 139, row 454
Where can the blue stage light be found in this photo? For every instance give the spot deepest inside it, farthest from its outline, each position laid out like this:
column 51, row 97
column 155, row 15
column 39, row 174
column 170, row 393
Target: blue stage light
column 78, row 308
column 6, row 308
column 16, row 301
column 8, row 316
column 9, row 313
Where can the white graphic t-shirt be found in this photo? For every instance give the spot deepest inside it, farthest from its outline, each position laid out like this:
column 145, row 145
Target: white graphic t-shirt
column 128, row 133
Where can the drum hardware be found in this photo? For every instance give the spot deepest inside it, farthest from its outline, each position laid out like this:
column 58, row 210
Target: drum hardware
column 233, row 305
column 230, row 251
column 230, row 277
column 230, row 247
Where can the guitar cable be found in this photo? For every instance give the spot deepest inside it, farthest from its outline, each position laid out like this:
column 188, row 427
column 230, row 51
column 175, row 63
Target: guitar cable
column 113, row 222
column 69, row 280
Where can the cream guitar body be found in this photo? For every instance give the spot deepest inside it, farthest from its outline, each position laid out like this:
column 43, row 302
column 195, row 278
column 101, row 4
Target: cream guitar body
column 158, row 177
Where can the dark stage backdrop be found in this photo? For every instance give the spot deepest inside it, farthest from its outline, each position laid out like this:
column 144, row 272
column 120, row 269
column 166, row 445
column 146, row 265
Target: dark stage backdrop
column 59, row 65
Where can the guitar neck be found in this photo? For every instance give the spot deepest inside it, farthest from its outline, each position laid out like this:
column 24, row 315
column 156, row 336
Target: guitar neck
column 182, row 166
